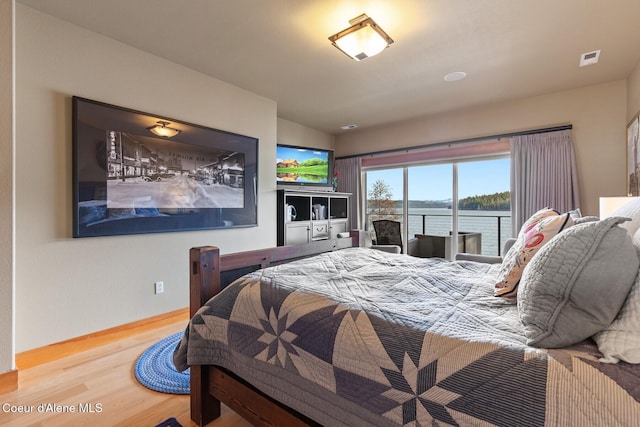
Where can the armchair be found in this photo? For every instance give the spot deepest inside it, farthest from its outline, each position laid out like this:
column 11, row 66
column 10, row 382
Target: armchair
column 388, row 232
column 366, row 242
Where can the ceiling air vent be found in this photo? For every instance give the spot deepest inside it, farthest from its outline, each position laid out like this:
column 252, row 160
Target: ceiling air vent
column 589, row 58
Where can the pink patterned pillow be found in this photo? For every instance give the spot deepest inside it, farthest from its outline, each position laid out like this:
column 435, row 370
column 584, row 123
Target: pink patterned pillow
column 535, row 218
column 534, row 234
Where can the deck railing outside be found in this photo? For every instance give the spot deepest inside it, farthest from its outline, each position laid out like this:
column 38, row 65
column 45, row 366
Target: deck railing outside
column 495, row 226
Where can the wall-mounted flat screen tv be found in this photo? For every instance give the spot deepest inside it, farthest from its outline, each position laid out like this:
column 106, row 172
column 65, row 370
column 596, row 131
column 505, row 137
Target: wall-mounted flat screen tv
column 303, row 166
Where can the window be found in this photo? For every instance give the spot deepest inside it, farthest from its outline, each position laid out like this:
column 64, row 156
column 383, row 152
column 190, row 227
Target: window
column 484, row 202
column 385, row 196
column 468, row 197
column 430, row 196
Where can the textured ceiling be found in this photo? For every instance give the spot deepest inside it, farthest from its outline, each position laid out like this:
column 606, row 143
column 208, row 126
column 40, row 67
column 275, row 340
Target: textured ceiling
column 279, row 49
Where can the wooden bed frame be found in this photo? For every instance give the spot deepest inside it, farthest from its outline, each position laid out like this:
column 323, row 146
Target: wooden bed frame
column 209, row 273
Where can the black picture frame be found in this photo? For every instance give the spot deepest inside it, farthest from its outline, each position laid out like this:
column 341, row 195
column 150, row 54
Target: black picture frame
column 126, row 180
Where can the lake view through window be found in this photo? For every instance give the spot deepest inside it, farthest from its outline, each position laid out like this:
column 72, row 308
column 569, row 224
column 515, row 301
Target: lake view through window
column 423, row 199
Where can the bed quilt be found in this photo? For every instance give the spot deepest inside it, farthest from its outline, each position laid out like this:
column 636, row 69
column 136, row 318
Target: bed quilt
column 363, row 337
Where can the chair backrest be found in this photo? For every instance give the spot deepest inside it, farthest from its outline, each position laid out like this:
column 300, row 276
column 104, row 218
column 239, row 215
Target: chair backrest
column 388, row 232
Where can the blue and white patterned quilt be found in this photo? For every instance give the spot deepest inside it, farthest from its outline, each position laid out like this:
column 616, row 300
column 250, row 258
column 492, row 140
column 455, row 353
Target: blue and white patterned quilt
column 360, row 337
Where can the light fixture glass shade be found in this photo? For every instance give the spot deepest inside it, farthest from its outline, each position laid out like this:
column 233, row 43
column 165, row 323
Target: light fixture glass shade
column 161, row 129
column 362, row 40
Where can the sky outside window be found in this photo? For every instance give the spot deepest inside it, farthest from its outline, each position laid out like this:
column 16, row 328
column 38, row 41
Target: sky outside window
column 479, row 177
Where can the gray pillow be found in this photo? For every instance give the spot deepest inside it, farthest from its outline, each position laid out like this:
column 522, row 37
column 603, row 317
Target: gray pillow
column 576, row 284
column 584, row 219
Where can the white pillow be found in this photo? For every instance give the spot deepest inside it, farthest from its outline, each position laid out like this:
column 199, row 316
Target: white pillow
column 621, row 339
column 636, row 242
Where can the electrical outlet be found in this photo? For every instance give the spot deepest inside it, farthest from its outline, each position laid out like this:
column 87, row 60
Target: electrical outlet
column 159, row 287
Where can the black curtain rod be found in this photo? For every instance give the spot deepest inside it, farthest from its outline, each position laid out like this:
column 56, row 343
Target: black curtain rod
column 459, row 141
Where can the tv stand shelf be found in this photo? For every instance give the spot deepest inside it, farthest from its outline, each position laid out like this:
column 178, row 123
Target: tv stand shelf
column 305, row 216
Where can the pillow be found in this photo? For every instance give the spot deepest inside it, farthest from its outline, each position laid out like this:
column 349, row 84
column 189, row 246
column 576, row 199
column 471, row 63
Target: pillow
column 630, row 210
column 576, row 284
column 533, row 220
column 584, row 219
column 636, row 242
column 535, row 232
column 575, row 214
column 621, row 339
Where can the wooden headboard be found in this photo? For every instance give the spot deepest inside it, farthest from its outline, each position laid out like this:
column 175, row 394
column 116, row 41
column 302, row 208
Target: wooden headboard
column 210, row 272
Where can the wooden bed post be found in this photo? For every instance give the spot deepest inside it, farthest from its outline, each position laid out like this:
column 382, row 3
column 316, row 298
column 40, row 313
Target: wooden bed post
column 204, row 276
column 204, row 282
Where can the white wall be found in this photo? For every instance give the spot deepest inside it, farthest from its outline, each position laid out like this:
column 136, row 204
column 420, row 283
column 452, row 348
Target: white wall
column 292, row 133
column 597, row 114
column 6, row 185
column 68, row 287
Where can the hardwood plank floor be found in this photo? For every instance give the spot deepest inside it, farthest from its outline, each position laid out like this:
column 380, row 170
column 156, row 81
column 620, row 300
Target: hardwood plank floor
column 100, row 379
column 58, row 350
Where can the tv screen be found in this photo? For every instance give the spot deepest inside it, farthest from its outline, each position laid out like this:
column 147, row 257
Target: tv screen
column 303, row 166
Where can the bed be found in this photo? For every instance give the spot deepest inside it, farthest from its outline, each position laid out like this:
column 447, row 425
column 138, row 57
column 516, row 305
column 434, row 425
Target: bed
column 334, row 334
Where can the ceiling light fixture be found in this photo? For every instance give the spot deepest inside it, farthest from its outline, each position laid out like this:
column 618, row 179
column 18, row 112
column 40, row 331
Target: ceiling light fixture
column 161, row 129
column 363, row 39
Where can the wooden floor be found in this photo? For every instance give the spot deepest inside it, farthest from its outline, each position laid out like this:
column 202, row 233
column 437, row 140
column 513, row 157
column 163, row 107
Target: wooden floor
column 101, row 379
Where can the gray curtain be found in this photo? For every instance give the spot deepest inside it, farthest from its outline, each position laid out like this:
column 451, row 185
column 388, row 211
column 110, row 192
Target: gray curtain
column 349, row 181
column 543, row 174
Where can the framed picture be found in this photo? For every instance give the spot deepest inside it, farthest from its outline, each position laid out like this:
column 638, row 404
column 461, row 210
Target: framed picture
column 135, row 172
column 633, row 158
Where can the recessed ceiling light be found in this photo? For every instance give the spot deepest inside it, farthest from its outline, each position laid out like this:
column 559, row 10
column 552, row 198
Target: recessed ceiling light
column 348, row 127
column 455, row 76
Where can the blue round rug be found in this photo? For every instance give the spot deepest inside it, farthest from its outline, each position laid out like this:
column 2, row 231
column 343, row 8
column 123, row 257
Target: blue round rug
column 155, row 370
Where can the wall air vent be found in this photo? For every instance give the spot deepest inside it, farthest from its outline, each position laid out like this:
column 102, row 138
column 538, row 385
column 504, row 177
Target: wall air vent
column 589, row 58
